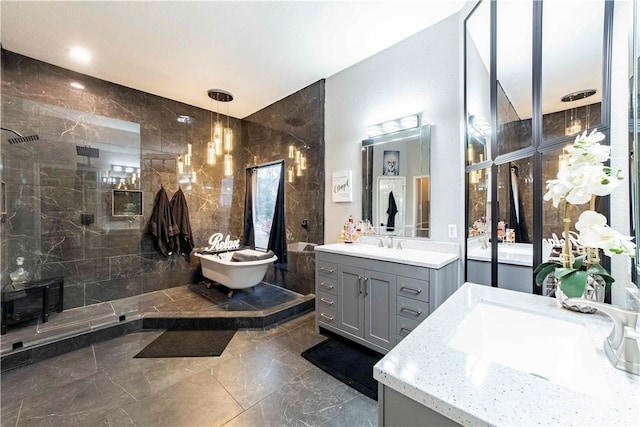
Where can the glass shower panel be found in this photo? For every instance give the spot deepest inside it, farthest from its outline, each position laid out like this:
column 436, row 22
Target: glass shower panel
column 514, row 68
column 515, row 201
column 477, row 88
column 479, row 233
column 572, row 46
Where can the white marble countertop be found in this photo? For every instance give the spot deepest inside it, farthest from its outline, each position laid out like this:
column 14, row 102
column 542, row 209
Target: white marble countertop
column 417, row 257
column 426, row 368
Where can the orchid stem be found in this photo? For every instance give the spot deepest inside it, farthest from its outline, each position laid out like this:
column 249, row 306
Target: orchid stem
column 566, row 256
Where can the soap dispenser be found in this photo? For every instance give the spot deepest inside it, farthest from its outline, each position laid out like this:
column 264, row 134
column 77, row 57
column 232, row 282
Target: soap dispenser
column 20, row 275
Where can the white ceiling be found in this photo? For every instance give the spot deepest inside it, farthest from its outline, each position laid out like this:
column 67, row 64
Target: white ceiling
column 259, row 51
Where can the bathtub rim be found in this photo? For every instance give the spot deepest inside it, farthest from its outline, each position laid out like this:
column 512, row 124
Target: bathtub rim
column 214, row 258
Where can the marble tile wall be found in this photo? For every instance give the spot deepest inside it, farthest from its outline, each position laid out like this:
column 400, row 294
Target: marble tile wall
column 48, row 186
column 296, row 120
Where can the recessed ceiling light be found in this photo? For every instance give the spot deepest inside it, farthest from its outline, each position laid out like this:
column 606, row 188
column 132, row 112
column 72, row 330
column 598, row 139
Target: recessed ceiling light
column 76, row 85
column 80, row 54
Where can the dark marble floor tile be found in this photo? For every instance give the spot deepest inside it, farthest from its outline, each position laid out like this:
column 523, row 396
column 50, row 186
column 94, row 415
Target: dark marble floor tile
column 194, row 303
column 141, row 303
column 122, row 349
column 9, row 413
column 252, row 375
column 34, row 378
column 82, row 402
column 299, row 321
column 359, row 412
column 180, row 292
column 310, row 399
column 195, row 401
column 267, row 296
column 299, row 339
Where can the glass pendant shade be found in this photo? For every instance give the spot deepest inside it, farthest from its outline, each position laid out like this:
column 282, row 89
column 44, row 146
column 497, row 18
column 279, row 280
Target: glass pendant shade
column 193, row 177
column 290, row 174
column 217, row 137
column 292, row 151
column 228, row 139
column 298, row 170
column 180, row 165
column 228, row 165
column 303, row 162
column 211, row 153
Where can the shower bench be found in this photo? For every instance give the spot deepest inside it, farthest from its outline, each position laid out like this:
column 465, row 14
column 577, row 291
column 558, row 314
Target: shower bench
column 30, row 300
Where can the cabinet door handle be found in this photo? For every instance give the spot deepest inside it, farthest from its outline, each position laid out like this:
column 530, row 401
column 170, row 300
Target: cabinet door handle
column 406, row 331
column 326, row 270
column 326, row 301
column 415, row 291
column 412, row 311
column 329, row 318
column 366, row 286
column 359, row 284
column 325, row 285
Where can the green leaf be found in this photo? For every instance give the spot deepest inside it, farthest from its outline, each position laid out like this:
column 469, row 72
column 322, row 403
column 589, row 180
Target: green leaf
column 543, row 270
column 560, row 273
column 578, row 261
column 574, row 284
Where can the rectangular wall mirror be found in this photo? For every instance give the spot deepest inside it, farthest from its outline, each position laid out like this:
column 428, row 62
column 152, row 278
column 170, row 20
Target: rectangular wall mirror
column 396, row 182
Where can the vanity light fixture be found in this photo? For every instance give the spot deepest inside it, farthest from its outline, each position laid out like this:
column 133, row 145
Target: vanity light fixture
column 572, row 122
column 478, row 126
column 391, row 126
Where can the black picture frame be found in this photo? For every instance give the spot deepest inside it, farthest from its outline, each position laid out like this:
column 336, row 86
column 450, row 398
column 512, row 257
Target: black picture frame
column 391, row 163
column 126, row 203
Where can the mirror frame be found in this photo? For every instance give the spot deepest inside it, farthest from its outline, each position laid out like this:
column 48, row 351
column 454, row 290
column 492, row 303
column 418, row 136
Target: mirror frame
column 424, row 133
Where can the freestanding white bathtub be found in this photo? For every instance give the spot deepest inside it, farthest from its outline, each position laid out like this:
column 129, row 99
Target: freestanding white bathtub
column 235, row 274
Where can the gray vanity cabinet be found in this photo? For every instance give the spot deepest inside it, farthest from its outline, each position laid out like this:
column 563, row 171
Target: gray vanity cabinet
column 377, row 303
column 366, row 304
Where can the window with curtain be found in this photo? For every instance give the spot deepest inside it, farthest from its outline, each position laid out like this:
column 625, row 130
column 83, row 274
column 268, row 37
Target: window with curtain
column 265, row 191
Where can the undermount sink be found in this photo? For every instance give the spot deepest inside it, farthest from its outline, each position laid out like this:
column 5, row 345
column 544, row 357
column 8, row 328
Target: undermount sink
column 556, row 350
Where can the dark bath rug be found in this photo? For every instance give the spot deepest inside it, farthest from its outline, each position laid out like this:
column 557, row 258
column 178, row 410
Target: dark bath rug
column 348, row 362
column 187, row 344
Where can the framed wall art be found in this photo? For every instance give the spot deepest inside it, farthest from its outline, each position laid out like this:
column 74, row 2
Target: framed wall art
column 391, row 163
column 126, row 203
column 341, row 186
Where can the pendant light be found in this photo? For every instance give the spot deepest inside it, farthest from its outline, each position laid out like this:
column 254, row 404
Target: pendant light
column 220, row 95
column 572, row 122
column 211, row 145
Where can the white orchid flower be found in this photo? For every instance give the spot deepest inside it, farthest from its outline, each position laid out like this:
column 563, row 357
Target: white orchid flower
column 557, row 190
column 587, row 149
column 595, row 233
column 577, row 183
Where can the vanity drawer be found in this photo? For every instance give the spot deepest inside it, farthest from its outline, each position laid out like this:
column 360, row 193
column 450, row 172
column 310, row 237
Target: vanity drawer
column 411, row 308
column 327, row 269
column 405, row 326
column 325, row 300
column 327, row 285
column 327, row 312
column 413, row 288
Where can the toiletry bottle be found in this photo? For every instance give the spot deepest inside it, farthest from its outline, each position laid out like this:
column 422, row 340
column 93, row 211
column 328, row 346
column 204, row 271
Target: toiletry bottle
column 20, row 275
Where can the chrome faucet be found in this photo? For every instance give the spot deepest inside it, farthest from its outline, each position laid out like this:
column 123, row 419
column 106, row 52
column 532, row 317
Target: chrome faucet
column 622, row 346
column 389, row 240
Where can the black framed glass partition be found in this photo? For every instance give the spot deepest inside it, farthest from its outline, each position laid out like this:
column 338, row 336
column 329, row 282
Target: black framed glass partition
column 536, row 84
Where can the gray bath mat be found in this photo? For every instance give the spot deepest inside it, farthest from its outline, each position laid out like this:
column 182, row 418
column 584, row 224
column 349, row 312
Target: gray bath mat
column 187, row 344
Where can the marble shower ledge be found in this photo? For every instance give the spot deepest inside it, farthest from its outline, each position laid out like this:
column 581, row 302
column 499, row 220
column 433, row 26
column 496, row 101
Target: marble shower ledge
column 417, row 257
column 459, row 386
